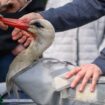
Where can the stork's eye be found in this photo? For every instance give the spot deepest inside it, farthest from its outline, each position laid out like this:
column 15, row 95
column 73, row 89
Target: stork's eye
column 37, row 24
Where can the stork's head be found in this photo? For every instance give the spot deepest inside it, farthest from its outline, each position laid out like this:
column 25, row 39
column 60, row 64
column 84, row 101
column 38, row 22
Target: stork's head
column 44, row 32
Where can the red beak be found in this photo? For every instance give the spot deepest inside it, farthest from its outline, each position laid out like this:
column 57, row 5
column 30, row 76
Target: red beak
column 14, row 23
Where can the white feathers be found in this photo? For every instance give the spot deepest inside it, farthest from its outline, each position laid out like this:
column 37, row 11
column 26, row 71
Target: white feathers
column 45, row 36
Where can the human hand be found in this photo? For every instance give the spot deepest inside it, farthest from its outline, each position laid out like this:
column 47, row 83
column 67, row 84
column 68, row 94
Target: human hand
column 25, row 37
column 85, row 73
column 11, row 6
column 18, row 49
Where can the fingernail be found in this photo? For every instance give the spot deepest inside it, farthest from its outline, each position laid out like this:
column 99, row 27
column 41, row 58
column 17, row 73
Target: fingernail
column 92, row 90
column 67, row 76
column 80, row 90
column 72, row 85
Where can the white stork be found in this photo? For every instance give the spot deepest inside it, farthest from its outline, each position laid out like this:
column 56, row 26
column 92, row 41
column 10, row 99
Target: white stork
column 45, row 36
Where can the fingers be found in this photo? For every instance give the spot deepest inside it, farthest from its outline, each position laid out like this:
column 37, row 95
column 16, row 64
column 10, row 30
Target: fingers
column 72, row 72
column 18, row 49
column 22, row 37
column 85, row 80
column 77, row 79
column 22, row 40
column 94, row 81
column 15, row 34
column 83, row 74
column 31, row 16
column 27, row 43
column 27, row 18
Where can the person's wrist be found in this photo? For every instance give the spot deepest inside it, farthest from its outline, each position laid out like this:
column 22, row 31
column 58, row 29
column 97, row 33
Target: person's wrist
column 98, row 68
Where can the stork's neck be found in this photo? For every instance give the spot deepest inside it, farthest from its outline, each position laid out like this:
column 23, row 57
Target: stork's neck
column 38, row 46
column 43, row 44
column 33, row 45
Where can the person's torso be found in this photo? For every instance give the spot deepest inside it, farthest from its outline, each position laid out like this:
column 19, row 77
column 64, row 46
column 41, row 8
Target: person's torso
column 6, row 42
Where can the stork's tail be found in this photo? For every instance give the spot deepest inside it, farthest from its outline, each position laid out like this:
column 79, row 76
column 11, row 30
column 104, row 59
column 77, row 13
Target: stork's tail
column 11, row 86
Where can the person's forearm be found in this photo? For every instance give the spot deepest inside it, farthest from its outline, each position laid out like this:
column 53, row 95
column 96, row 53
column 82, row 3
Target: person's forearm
column 100, row 61
column 74, row 14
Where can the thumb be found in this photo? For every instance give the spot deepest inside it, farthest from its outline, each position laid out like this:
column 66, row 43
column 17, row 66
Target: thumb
column 31, row 16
